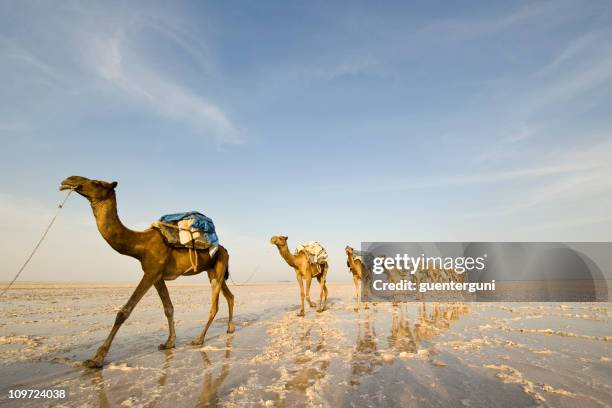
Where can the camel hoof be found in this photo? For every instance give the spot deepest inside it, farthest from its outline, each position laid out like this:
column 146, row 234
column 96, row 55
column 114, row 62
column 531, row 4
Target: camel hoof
column 320, row 310
column 230, row 327
column 356, row 309
column 92, row 363
column 166, row 346
column 366, row 307
column 301, row 313
column 197, row 342
column 313, row 304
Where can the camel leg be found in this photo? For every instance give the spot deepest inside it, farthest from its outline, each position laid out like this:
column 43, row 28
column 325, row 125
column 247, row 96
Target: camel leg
column 301, row 284
column 308, row 282
column 321, row 294
column 216, row 284
column 324, row 286
column 364, row 292
column 162, row 291
column 230, row 306
column 145, row 284
column 214, row 308
column 356, row 281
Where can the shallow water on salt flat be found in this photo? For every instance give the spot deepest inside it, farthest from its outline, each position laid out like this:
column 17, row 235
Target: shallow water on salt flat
column 473, row 354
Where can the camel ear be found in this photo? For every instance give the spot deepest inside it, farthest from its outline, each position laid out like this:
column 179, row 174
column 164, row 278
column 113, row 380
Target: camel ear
column 114, row 184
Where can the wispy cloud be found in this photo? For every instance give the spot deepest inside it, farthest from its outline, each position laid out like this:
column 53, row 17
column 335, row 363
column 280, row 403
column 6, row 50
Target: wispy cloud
column 565, row 165
column 137, row 81
column 11, row 51
column 568, row 85
column 461, row 29
column 585, row 183
column 113, row 48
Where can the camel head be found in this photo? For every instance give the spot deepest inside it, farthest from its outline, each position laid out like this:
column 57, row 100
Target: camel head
column 90, row 189
column 279, row 240
column 348, row 250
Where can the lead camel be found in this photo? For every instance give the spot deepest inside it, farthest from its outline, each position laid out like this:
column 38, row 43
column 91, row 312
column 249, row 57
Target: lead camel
column 159, row 262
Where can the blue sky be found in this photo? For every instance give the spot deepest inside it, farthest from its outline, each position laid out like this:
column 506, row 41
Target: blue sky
column 329, row 121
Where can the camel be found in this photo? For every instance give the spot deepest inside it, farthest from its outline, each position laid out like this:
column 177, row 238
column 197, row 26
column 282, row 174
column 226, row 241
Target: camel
column 304, row 270
column 358, row 271
column 159, row 263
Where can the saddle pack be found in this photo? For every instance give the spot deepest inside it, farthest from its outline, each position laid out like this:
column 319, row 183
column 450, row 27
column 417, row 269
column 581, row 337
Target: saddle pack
column 191, row 230
column 317, row 255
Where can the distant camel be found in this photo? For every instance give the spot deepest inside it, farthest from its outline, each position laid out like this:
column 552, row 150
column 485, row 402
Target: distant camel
column 159, row 262
column 304, row 269
column 358, row 271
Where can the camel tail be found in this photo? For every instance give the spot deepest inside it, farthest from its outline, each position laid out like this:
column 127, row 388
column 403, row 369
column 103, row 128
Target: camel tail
column 226, row 273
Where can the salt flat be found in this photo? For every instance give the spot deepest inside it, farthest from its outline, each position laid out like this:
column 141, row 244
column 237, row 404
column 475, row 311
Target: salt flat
column 415, row 354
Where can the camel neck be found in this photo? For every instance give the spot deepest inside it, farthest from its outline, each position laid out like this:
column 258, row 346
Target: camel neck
column 351, row 262
column 287, row 256
column 118, row 236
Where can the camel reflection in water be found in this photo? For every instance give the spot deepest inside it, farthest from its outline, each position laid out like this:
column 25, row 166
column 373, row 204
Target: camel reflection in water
column 211, row 382
column 429, row 325
column 365, row 357
column 308, row 370
column 403, row 337
column 96, row 379
column 209, row 395
column 163, row 378
column 310, row 366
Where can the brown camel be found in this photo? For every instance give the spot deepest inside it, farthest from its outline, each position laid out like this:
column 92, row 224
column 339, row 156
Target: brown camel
column 159, row 262
column 358, row 271
column 304, row 270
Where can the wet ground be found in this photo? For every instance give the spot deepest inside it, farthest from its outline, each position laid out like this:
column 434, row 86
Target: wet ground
column 415, row 354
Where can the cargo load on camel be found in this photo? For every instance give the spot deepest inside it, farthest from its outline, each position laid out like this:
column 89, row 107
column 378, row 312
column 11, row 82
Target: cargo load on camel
column 316, row 254
column 191, row 230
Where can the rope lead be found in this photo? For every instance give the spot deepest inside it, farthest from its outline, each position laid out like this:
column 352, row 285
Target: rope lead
column 59, row 208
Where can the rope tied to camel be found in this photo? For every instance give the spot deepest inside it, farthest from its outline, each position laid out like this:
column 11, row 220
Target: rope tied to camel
column 193, row 251
column 42, row 238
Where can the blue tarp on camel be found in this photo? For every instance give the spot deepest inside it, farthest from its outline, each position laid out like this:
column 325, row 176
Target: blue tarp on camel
column 199, row 222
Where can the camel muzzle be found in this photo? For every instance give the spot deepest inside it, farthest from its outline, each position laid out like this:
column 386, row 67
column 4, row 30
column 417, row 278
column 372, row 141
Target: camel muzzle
column 67, row 187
